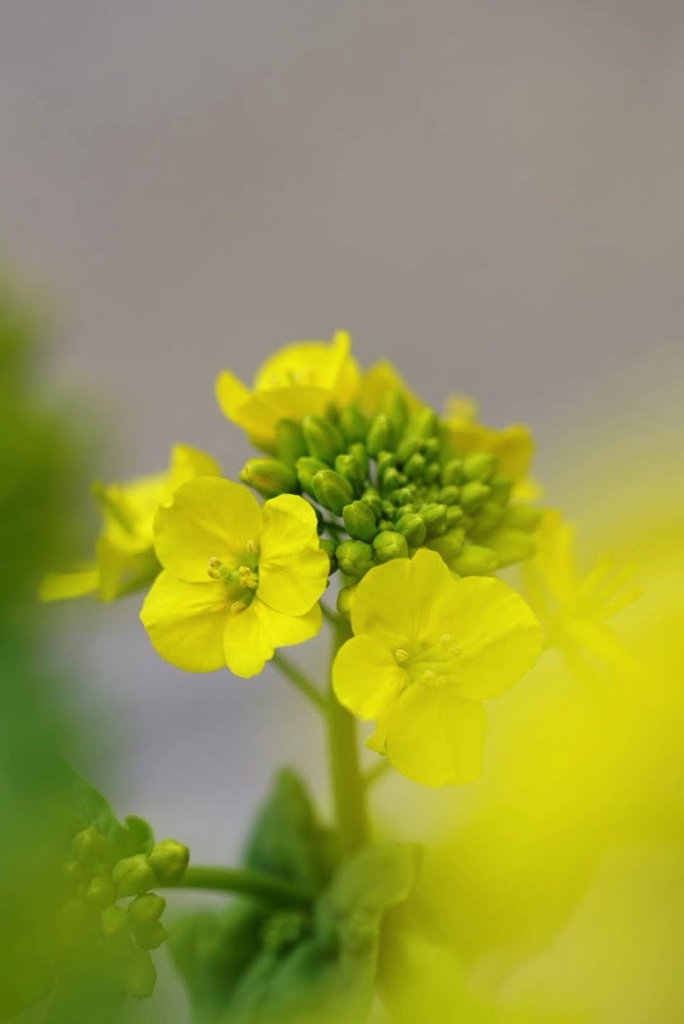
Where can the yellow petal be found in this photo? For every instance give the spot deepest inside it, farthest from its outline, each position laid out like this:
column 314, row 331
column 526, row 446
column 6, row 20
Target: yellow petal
column 188, row 463
column 366, row 677
column 313, row 363
column 206, row 518
column 56, row 586
column 496, row 631
column 231, row 395
column 435, row 738
column 293, row 570
column 186, row 621
column 129, row 509
column 378, row 381
column 123, row 572
column 251, row 636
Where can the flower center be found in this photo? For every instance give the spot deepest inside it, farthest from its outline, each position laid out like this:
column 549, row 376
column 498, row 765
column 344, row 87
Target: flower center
column 241, row 582
column 431, row 665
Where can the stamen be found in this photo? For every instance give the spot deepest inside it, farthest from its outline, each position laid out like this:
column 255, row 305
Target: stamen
column 247, row 578
column 238, row 606
column 429, row 676
column 450, row 644
column 251, row 546
column 401, row 656
column 214, row 568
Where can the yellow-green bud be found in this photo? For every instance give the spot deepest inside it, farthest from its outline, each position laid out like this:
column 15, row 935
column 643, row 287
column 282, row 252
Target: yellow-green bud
column 359, row 452
column 392, row 478
column 323, row 439
column 413, row 528
column 385, row 461
column 449, row 545
column 454, row 515
column 415, row 466
column 479, row 466
column 353, row 424
column 169, row 860
column 389, row 545
column 431, row 448
column 473, row 495
column 409, row 447
column 345, row 598
column 114, row 922
column 144, row 913
column 489, row 516
column 138, row 974
column 75, row 874
column 513, row 546
column 380, row 435
column 359, row 521
column 402, row 496
column 395, row 408
column 523, row 517
column 501, row 489
column 289, row 440
column 269, row 477
column 306, row 470
column 423, row 423
column 452, row 472
column 331, row 490
column 371, row 498
column 474, row 561
column 432, row 473
column 434, row 517
column 355, row 558
column 101, row 892
column 150, row 936
column 133, row 875
column 349, row 467
column 329, row 546
column 90, row 846
column 449, row 495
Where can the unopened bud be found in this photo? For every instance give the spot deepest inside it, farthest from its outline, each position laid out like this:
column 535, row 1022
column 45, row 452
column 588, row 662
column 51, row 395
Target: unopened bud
column 402, row 496
column 90, row 846
column 389, row 545
column 473, row 495
column 371, row 498
column 380, row 435
column 169, row 860
column 331, row 490
column 512, row 546
column 392, row 479
column 431, row 448
column 475, row 561
column 523, row 517
column 449, row 545
column 449, row 495
column 415, row 466
column 329, row 546
column 432, row 473
column 394, row 407
column 289, row 441
column 454, row 515
column 479, row 466
column 144, row 913
column 114, row 923
column 489, row 516
column 408, row 447
column 359, row 521
column 133, row 875
column 306, row 469
column 423, row 423
column 413, row 528
column 355, row 558
column 452, row 472
column 349, row 467
column 323, row 439
column 434, row 517
column 150, row 936
column 353, row 424
column 101, row 892
column 138, row 974
column 75, row 873
column 501, row 488
column 359, row 452
column 345, row 599
column 269, row 477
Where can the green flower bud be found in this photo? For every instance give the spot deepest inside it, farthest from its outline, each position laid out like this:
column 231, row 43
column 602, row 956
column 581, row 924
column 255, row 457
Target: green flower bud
column 90, row 846
column 501, row 488
column 114, row 923
column 434, row 517
column 479, row 466
column 392, row 478
column 331, row 490
column 306, row 470
column 269, row 477
column 150, row 936
column 385, row 524
column 449, row 495
column 452, row 472
column 473, row 495
column 449, row 545
column 359, row 452
column 511, row 545
column 133, row 875
column 402, row 496
column 413, row 528
column 144, row 913
column 415, row 466
column 75, row 874
column 371, row 498
column 432, row 449
column 523, row 517
column 138, row 974
column 408, row 447
column 355, row 558
column 432, row 473
column 323, row 439
column 381, row 435
column 395, row 408
column 101, row 892
column 454, row 515
column 489, row 516
column 385, row 461
column 353, row 424
column 169, row 860
column 329, row 546
column 359, row 521
column 344, row 600
column 389, row 545
column 475, row 561
column 349, row 467
column 423, row 423
column 290, row 442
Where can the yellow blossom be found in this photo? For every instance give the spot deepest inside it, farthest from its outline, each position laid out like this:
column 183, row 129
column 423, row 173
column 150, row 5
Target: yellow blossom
column 427, row 650
column 239, row 579
column 300, row 379
column 513, row 446
column 124, row 552
column 382, row 379
column 572, row 608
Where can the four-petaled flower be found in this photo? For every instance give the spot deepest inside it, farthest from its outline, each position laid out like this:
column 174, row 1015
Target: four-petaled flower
column 239, row 579
column 427, row 650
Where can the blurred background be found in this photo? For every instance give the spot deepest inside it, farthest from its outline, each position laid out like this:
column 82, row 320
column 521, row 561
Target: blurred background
column 489, row 194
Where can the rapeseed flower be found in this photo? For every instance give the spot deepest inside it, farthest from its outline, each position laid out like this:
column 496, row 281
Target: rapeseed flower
column 239, row 579
column 513, row 446
column 124, row 553
column 427, row 650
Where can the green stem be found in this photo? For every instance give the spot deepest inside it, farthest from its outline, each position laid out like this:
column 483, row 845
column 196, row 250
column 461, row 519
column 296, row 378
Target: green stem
column 302, row 683
column 329, row 615
column 376, row 772
column 349, row 791
column 250, row 883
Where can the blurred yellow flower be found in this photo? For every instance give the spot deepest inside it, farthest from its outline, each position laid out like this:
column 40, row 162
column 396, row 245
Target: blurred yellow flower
column 427, row 650
column 300, row 379
column 239, row 579
column 573, row 609
column 380, row 380
column 124, row 552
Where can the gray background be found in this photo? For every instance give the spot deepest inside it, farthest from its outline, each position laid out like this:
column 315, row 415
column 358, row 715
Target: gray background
column 489, row 193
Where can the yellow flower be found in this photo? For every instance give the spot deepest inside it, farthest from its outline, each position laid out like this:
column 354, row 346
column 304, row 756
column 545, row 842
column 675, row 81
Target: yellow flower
column 573, row 609
column 427, row 650
column 239, row 579
column 513, row 446
column 124, row 552
column 382, row 379
column 298, row 380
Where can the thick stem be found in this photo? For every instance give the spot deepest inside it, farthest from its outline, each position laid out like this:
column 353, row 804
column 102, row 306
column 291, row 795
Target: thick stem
column 349, row 791
column 302, row 683
column 238, row 880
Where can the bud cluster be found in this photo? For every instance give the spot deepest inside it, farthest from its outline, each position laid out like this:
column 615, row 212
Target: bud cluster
column 109, row 908
column 386, row 485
